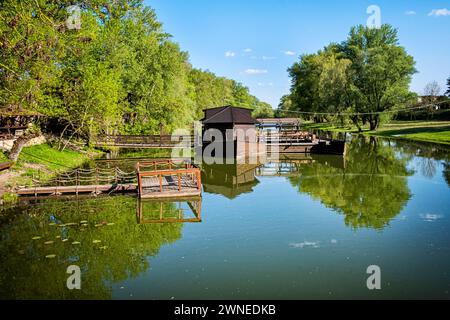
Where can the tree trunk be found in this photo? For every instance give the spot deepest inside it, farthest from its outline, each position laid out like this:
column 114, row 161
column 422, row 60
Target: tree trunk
column 373, row 124
column 19, row 144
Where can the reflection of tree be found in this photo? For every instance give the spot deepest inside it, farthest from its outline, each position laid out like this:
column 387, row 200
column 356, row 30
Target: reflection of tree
column 25, row 272
column 428, row 167
column 447, row 172
column 370, row 191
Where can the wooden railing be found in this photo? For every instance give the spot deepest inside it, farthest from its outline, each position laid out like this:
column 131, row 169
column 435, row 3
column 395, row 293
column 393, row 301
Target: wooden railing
column 169, row 168
column 160, row 215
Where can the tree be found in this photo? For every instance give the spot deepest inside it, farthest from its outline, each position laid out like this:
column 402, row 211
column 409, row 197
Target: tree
column 368, row 75
column 448, row 88
column 263, row 110
column 382, row 72
column 432, row 90
column 119, row 73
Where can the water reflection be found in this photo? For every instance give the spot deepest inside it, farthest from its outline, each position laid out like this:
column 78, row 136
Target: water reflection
column 370, row 191
column 229, row 180
column 157, row 211
column 446, row 172
column 38, row 243
column 368, row 185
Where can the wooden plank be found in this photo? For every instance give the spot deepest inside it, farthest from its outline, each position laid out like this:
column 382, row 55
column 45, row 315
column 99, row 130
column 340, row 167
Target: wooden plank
column 171, row 194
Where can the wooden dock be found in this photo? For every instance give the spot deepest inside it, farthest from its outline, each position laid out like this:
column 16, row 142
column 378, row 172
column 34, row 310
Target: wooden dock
column 75, row 190
column 168, row 179
column 155, row 180
column 303, row 142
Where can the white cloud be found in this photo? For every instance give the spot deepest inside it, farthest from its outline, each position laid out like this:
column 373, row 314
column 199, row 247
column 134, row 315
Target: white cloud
column 431, row 217
column 305, row 245
column 248, row 50
column 255, row 71
column 230, row 54
column 410, row 13
column 440, row 12
column 289, row 53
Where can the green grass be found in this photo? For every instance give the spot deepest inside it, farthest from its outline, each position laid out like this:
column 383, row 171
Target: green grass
column 3, row 157
column 429, row 131
column 45, row 161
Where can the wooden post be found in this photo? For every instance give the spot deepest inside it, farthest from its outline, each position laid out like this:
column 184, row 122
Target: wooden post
column 96, row 180
column 199, row 180
column 76, row 182
column 179, row 182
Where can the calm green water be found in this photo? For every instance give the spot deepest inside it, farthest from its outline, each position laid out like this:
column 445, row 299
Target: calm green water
column 306, row 227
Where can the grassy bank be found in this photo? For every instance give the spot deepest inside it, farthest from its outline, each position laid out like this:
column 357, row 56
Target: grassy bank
column 44, row 161
column 428, row 131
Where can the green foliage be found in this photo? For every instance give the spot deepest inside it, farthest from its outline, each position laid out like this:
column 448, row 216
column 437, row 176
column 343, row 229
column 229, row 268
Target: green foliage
column 3, row 157
column 367, row 75
column 263, row 110
column 210, row 91
column 118, row 73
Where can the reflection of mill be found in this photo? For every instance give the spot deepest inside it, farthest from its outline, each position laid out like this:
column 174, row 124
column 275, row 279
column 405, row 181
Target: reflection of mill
column 229, row 180
column 232, row 180
column 291, row 164
column 186, row 210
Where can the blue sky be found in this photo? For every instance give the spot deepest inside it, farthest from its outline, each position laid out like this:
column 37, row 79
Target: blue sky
column 255, row 41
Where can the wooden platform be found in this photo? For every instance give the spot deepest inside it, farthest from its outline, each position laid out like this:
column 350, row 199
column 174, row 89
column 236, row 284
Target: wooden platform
column 168, row 179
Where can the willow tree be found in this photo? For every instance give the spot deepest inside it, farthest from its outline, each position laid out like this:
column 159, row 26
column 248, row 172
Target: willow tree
column 382, row 72
column 367, row 76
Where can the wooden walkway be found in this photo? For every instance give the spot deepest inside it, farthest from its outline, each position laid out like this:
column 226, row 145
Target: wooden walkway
column 146, row 142
column 155, row 179
column 60, row 190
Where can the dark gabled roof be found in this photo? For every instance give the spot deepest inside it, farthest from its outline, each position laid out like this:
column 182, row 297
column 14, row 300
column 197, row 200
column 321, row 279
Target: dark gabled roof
column 229, row 114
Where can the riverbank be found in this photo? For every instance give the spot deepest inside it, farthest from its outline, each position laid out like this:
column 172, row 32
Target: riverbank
column 425, row 131
column 44, row 161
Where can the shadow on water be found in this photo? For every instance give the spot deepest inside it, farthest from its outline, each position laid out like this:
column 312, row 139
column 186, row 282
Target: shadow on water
column 100, row 235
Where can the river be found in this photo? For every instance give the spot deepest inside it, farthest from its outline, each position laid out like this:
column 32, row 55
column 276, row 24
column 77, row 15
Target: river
column 303, row 227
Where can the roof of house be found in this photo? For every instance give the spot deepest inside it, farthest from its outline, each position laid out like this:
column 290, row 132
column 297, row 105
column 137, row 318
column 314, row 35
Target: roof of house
column 228, row 114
